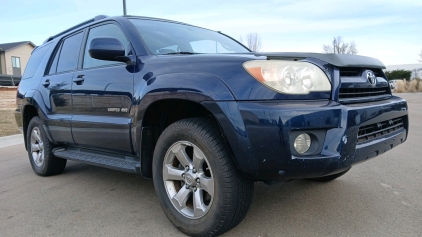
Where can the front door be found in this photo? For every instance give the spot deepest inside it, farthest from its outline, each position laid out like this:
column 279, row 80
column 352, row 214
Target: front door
column 102, row 97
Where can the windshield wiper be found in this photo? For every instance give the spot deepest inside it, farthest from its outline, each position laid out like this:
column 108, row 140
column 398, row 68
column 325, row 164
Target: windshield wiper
column 178, row 53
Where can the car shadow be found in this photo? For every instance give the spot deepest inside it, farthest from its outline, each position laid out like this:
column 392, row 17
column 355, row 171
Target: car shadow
column 297, row 208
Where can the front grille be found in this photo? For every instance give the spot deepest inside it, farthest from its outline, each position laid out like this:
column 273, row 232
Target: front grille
column 373, row 131
column 356, row 88
column 357, row 71
column 360, row 93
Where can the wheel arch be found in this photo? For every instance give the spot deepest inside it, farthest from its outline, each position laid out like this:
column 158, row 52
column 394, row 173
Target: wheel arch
column 158, row 116
column 166, row 98
column 29, row 109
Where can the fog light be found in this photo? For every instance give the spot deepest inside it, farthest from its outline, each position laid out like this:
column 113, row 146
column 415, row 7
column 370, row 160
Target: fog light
column 302, row 143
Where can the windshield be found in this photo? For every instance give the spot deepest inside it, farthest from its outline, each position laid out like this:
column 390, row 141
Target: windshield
column 172, row 38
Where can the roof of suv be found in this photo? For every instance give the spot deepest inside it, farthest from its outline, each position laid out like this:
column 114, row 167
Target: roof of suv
column 104, row 17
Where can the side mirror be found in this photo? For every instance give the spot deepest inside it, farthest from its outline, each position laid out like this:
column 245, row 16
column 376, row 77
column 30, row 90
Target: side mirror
column 107, row 48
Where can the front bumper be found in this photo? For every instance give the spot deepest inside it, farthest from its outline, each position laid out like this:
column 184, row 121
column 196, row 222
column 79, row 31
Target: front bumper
column 259, row 135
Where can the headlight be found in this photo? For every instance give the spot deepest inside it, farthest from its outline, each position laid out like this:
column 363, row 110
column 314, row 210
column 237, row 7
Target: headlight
column 289, row 77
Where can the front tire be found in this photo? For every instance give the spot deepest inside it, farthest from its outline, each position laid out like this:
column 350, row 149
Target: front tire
column 200, row 189
column 40, row 150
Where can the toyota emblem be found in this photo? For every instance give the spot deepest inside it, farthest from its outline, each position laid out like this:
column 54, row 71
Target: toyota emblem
column 372, row 79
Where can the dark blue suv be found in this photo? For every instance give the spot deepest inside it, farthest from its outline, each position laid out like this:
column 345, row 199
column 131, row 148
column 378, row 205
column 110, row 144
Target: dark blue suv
column 201, row 114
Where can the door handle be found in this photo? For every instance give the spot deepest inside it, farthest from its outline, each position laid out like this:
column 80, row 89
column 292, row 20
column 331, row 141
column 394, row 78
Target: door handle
column 79, row 79
column 46, row 83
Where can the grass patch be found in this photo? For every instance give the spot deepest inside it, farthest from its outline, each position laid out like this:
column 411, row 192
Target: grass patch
column 410, row 87
column 8, row 124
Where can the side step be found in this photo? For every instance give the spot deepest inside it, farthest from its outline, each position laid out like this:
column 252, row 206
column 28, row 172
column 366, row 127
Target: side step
column 107, row 160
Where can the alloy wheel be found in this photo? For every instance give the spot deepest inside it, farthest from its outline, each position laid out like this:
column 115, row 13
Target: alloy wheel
column 37, row 147
column 188, row 179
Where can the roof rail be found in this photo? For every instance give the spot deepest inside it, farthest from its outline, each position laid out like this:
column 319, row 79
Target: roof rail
column 97, row 18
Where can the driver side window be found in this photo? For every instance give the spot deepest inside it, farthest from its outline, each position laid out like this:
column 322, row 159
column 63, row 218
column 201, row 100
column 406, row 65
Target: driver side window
column 109, row 30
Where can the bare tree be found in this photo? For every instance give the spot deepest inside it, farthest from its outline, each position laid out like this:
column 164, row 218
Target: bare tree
column 253, row 41
column 338, row 46
column 420, row 55
column 415, row 73
column 352, row 48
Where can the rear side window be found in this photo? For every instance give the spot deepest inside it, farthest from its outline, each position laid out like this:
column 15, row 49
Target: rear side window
column 53, row 67
column 35, row 60
column 69, row 53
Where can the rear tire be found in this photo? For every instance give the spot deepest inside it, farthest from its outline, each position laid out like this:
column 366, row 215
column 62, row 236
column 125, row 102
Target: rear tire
column 200, row 189
column 329, row 177
column 40, row 150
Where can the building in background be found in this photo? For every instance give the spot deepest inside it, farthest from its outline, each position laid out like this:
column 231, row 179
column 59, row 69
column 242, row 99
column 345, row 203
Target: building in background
column 13, row 59
column 415, row 68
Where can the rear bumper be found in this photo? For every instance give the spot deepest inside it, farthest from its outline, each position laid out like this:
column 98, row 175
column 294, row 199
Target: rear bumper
column 260, row 135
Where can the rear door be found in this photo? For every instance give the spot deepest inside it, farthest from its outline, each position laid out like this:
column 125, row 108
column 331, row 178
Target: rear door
column 57, row 84
column 102, row 95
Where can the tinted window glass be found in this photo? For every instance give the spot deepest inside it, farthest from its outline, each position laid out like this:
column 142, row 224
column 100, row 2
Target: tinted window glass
column 161, row 38
column 68, row 59
column 53, row 66
column 35, row 60
column 109, row 30
column 209, row 46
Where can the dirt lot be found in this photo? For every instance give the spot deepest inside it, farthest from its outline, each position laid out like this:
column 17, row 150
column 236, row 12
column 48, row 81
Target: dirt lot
column 7, row 107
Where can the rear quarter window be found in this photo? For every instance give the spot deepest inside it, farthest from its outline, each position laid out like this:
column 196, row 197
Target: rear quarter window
column 35, row 60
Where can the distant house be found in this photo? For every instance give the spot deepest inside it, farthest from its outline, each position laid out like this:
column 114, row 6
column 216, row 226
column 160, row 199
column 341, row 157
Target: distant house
column 14, row 57
column 415, row 68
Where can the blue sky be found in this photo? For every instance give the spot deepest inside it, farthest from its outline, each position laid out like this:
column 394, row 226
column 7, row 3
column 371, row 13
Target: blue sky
column 388, row 30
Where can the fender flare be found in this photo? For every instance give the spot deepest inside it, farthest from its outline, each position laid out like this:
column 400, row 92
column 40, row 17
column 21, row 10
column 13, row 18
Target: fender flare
column 33, row 98
column 202, row 87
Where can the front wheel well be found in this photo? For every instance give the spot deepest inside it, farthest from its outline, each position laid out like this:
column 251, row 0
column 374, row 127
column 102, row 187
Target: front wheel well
column 158, row 117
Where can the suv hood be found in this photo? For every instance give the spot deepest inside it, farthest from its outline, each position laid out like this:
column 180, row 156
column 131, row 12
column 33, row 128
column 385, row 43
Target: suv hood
column 339, row 60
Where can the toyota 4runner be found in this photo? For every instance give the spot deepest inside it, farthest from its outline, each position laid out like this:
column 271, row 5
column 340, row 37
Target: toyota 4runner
column 201, row 114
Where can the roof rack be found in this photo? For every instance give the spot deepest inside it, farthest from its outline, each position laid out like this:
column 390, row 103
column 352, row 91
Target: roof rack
column 97, row 18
